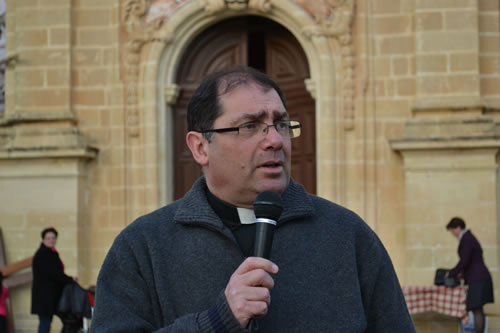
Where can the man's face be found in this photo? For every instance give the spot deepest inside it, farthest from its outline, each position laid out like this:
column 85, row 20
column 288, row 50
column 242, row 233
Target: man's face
column 239, row 168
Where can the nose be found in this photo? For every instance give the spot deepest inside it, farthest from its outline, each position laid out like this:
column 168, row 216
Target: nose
column 272, row 138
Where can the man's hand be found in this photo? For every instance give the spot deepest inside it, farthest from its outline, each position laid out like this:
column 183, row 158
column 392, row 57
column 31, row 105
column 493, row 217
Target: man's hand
column 248, row 291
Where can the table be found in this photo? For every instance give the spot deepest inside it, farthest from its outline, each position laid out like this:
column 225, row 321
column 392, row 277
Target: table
column 444, row 300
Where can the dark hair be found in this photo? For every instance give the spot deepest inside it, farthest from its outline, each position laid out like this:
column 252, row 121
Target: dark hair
column 204, row 106
column 46, row 230
column 1, row 280
column 455, row 223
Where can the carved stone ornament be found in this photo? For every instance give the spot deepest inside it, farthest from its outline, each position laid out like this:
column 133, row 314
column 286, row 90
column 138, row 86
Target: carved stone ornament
column 333, row 19
column 214, row 6
column 139, row 34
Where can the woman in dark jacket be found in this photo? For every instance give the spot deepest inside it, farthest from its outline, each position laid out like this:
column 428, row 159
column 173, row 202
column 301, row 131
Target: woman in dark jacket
column 48, row 280
column 472, row 268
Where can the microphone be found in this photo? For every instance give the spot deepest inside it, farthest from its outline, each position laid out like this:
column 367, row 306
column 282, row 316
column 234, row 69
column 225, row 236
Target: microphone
column 267, row 207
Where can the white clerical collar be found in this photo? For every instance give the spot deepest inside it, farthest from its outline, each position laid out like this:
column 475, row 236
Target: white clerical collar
column 462, row 234
column 247, row 215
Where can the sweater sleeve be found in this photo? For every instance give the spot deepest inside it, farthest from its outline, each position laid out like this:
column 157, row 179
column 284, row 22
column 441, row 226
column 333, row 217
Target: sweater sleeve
column 383, row 299
column 127, row 302
column 465, row 254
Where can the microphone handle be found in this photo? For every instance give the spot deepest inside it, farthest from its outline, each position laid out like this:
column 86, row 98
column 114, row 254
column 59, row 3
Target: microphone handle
column 264, row 232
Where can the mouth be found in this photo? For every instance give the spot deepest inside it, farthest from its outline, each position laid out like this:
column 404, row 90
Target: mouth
column 272, row 166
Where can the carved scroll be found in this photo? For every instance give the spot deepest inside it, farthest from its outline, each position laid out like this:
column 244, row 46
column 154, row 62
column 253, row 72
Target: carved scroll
column 333, row 19
column 139, row 34
column 215, row 6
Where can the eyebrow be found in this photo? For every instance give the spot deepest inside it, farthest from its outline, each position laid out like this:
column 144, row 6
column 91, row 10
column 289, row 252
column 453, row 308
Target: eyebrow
column 277, row 115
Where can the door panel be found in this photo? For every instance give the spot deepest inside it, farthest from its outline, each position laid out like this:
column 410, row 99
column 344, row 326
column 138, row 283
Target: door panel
column 264, row 45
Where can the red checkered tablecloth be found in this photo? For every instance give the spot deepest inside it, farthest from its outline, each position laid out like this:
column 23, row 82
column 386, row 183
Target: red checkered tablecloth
column 444, row 300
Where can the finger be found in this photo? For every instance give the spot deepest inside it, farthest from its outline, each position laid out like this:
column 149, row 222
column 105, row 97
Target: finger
column 252, row 263
column 257, row 277
column 259, row 294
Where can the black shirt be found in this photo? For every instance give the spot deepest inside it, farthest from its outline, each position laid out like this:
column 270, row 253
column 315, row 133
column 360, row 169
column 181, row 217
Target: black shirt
column 244, row 233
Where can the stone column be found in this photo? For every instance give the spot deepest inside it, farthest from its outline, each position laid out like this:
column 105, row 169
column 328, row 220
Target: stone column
column 451, row 169
column 43, row 155
column 447, row 56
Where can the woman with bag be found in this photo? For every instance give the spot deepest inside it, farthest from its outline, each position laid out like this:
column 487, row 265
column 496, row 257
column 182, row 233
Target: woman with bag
column 471, row 266
column 48, row 280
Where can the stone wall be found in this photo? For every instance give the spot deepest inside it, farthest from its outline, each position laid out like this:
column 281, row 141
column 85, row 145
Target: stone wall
column 410, row 143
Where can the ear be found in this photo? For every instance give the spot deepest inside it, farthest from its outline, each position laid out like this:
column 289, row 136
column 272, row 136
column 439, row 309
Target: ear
column 197, row 143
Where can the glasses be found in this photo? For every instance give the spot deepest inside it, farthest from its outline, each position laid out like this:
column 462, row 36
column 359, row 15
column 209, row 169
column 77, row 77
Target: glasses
column 286, row 128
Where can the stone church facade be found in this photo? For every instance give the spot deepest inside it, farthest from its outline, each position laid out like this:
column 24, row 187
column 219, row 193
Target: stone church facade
column 404, row 118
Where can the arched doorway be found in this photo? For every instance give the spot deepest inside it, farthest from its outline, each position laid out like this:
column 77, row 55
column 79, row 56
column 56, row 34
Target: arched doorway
column 262, row 44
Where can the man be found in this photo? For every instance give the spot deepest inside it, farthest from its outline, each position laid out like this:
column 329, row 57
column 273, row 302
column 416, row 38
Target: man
column 472, row 268
column 187, row 267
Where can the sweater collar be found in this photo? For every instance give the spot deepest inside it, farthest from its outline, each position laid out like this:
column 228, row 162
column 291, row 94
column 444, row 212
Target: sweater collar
column 196, row 210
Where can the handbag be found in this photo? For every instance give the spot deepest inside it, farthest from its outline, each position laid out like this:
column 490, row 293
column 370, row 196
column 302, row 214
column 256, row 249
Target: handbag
column 441, row 280
column 439, row 277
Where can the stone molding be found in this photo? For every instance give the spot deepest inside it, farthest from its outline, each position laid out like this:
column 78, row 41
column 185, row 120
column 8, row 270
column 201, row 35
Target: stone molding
column 139, row 34
column 42, row 142
column 333, row 19
column 214, row 6
column 20, row 117
column 158, row 69
column 171, row 94
column 448, row 133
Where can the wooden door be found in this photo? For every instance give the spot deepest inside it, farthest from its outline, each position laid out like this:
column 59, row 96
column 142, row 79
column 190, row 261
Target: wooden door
column 262, row 44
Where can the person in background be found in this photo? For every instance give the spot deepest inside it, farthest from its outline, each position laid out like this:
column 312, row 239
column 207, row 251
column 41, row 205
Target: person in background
column 4, row 294
column 189, row 266
column 472, row 268
column 48, row 280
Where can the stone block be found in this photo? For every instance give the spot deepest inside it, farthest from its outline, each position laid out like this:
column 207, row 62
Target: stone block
column 44, row 98
column 92, row 77
column 406, row 87
column 387, row 7
column 429, row 21
column 42, row 17
column 432, row 63
column 94, row 17
column 465, row 62
column 489, row 44
column 490, row 86
column 96, row 37
column 420, row 258
column 488, row 22
column 487, row 5
column 59, row 36
column 445, row 4
column 461, row 20
column 396, row 45
column 30, row 78
column 88, row 97
column 58, row 77
column 117, row 198
column 395, row 24
column 87, row 56
column 401, row 66
column 489, row 64
column 464, row 83
column 382, row 67
column 32, row 38
column 59, row 57
column 447, row 41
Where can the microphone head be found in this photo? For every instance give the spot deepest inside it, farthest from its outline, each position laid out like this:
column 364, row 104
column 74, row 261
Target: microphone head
column 268, row 204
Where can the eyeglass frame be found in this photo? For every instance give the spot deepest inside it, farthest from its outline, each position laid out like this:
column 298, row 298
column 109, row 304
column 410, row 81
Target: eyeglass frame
column 266, row 130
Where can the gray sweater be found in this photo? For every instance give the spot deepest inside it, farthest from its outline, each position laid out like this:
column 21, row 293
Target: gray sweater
column 167, row 271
